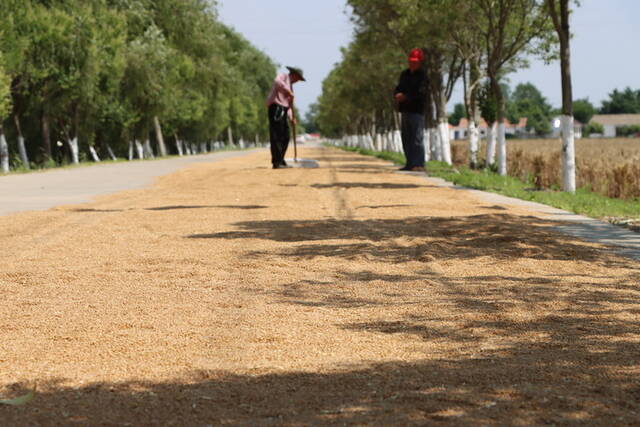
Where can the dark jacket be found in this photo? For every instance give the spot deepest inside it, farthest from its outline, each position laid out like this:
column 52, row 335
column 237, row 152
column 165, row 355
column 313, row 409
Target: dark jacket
column 414, row 86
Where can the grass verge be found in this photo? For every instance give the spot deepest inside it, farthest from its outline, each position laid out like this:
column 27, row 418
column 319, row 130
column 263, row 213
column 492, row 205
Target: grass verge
column 583, row 202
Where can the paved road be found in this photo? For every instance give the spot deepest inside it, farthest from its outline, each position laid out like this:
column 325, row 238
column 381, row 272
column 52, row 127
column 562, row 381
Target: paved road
column 44, row 190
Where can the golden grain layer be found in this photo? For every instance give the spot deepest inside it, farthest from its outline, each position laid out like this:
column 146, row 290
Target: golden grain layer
column 230, row 293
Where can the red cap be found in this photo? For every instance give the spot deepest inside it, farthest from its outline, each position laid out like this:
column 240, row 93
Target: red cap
column 416, row 55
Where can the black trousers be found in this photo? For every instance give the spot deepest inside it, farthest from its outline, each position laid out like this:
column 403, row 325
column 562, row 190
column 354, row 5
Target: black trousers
column 278, row 133
column 413, row 139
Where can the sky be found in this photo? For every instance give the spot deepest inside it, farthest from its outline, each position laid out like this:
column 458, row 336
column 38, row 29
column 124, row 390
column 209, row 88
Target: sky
column 310, row 33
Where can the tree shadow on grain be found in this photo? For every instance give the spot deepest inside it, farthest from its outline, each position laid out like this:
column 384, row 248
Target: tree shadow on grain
column 174, row 208
column 522, row 386
column 368, row 185
column 501, row 236
column 344, row 159
column 181, row 207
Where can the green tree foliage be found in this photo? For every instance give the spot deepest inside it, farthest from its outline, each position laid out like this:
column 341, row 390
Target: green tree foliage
column 593, row 127
column 527, row 101
column 626, row 101
column 310, row 119
column 459, row 112
column 491, row 37
column 5, row 90
column 107, row 70
column 583, row 110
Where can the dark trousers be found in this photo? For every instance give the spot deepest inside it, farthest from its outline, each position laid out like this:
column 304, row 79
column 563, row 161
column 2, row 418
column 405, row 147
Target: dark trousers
column 278, row 133
column 413, row 139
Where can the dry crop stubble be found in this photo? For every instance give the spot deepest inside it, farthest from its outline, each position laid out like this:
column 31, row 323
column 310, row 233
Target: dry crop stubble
column 229, row 293
column 610, row 167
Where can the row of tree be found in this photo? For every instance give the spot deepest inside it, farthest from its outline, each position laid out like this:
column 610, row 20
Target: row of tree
column 477, row 41
column 111, row 77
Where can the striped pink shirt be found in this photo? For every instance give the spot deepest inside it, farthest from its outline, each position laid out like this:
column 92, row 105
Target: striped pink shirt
column 281, row 91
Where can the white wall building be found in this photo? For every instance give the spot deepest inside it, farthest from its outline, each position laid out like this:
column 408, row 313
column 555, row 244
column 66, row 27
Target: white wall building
column 462, row 130
column 611, row 122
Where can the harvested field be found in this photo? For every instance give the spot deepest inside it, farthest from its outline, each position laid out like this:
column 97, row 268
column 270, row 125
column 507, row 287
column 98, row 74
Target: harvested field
column 230, row 293
column 610, row 167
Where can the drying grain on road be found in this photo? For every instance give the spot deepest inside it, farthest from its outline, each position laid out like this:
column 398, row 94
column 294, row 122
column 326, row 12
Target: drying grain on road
column 232, row 293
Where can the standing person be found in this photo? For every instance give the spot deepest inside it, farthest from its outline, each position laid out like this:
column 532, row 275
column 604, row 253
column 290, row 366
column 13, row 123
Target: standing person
column 411, row 95
column 279, row 103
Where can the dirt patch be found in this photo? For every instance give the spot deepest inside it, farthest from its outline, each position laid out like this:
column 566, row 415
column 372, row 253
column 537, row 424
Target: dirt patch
column 230, row 293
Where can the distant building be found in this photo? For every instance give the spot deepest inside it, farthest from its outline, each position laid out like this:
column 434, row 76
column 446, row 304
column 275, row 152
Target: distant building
column 462, row 130
column 611, row 122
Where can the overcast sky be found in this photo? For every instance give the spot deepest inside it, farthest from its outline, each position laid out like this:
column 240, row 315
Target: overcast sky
column 310, row 33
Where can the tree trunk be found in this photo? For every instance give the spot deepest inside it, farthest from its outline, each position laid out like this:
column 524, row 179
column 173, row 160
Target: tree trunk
column 46, row 137
column 474, row 137
column 162, row 148
column 94, row 155
column 4, row 151
column 502, row 149
column 568, row 154
column 427, row 145
column 436, row 148
column 110, row 151
column 230, row 136
column 22, row 149
column 502, row 141
column 445, row 140
column 178, row 145
column 73, row 148
column 73, row 140
column 139, row 149
column 148, row 151
column 568, row 134
column 492, row 134
column 471, row 88
column 397, row 141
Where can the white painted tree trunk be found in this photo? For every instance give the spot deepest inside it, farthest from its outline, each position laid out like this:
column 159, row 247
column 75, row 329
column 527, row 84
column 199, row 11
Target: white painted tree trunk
column 492, row 134
column 445, row 142
column 162, row 148
column 111, row 154
column 179, row 147
column 370, row 142
column 139, row 150
column 397, row 141
column 23, row 152
column 379, row 143
column 502, row 150
column 130, row 150
column 148, row 151
column 436, row 152
column 4, row 153
column 568, row 154
column 474, row 137
column 427, row 145
column 73, row 146
column 94, row 155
